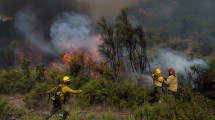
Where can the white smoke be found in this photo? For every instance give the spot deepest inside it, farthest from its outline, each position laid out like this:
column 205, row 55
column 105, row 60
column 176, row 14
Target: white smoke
column 73, row 31
column 147, row 81
column 69, row 31
column 28, row 24
column 167, row 58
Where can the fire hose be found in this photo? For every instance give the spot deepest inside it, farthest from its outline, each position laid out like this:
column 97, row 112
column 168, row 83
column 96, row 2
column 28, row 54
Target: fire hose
column 32, row 110
column 27, row 95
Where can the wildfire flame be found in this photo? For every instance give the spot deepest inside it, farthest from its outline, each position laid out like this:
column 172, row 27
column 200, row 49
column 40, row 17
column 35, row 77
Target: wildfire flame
column 87, row 55
column 56, row 66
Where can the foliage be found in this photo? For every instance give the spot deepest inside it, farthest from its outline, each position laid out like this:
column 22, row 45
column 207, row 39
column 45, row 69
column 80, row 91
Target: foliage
column 78, row 82
column 180, row 20
column 198, row 108
column 13, row 81
column 76, row 65
column 123, row 94
column 108, row 92
column 4, row 109
column 124, row 45
column 98, row 92
column 180, row 109
column 40, row 73
column 25, row 67
column 123, row 41
column 131, row 95
column 148, row 112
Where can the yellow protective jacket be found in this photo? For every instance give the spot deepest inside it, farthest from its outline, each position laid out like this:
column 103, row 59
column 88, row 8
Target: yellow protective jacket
column 172, row 83
column 65, row 90
column 157, row 80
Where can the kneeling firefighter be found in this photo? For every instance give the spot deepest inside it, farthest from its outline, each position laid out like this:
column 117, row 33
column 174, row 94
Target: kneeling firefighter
column 158, row 83
column 59, row 95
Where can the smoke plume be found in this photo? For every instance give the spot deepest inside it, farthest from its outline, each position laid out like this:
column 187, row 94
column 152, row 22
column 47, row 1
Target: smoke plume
column 167, row 58
column 50, row 25
column 30, row 28
column 73, row 31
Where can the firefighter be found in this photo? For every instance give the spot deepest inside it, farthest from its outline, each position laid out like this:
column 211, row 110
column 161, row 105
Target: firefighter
column 158, row 83
column 172, row 82
column 59, row 95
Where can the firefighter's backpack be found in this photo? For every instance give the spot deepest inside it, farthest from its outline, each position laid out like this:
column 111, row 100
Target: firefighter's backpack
column 55, row 94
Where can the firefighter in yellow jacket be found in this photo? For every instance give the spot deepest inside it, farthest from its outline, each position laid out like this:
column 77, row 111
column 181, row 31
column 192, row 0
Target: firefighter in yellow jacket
column 158, row 83
column 59, row 95
column 172, row 82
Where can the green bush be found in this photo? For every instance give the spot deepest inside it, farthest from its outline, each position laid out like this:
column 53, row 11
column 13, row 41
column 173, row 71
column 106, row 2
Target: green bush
column 98, row 92
column 79, row 81
column 4, row 109
column 40, row 73
column 148, row 112
column 25, row 67
column 131, row 95
column 13, row 81
column 108, row 92
column 169, row 108
column 197, row 108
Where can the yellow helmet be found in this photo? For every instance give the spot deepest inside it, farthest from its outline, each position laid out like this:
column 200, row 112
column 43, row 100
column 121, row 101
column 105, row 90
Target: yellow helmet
column 66, row 79
column 157, row 71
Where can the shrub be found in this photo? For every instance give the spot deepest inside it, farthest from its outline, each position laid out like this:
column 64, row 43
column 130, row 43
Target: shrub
column 131, row 95
column 148, row 112
column 197, row 108
column 40, row 73
column 25, row 67
column 79, row 81
column 169, row 108
column 108, row 92
column 13, row 81
column 4, row 109
column 98, row 91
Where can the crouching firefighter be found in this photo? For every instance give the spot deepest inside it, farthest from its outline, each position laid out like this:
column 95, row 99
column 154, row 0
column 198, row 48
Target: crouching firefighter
column 59, row 95
column 158, row 83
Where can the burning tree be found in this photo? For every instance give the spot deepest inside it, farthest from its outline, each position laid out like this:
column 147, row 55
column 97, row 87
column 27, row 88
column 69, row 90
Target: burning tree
column 123, row 45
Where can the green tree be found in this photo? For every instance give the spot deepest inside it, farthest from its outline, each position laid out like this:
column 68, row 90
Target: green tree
column 40, row 75
column 25, row 67
column 123, row 42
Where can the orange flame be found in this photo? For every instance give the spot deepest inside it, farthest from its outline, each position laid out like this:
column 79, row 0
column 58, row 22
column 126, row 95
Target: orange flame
column 56, row 66
column 87, row 55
